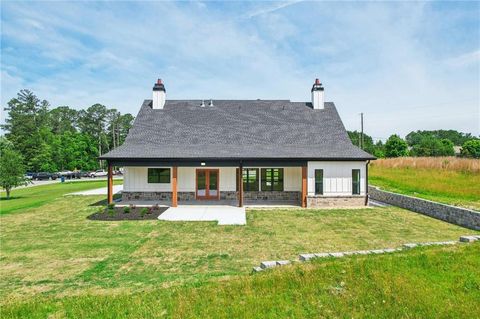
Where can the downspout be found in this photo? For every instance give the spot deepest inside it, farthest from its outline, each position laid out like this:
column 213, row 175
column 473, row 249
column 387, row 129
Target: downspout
column 366, row 183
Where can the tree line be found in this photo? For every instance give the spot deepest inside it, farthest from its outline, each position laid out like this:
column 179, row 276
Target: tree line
column 420, row 143
column 61, row 138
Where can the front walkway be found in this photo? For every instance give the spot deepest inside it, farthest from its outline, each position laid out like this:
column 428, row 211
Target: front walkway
column 224, row 214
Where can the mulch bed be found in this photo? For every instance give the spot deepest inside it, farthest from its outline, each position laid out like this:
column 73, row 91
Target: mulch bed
column 134, row 214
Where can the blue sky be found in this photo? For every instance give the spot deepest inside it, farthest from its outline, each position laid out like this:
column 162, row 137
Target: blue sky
column 406, row 65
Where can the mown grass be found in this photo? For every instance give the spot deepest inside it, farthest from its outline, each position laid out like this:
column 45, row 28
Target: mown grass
column 421, row 283
column 36, row 196
column 55, row 250
column 446, row 186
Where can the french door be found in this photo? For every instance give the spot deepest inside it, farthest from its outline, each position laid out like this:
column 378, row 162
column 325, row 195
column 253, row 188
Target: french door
column 207, row 184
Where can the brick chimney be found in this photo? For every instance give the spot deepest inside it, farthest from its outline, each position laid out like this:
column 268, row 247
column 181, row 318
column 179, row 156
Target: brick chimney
column 159, row 94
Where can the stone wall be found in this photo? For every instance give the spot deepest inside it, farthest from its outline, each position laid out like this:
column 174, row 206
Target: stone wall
column 455, row 215
column 335, row 201
column 224, row 195
column 159, row 196
column 273, row 195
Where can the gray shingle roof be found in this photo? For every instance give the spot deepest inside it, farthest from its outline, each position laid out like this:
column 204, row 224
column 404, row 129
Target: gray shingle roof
column 235, row 129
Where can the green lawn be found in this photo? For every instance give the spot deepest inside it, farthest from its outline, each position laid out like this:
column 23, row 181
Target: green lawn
column 56, row 261
column 55, row 250
column 420, row 283
column 36, row 196
column 450, row 187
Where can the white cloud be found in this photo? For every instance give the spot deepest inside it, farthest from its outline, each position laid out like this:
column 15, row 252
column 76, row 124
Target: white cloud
column 465, row 59
column 263, row 10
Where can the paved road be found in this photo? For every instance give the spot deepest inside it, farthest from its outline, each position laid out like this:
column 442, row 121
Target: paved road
column 83, row 179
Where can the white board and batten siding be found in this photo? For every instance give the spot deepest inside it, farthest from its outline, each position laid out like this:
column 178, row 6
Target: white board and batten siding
column 135, row 179
column 337, row 177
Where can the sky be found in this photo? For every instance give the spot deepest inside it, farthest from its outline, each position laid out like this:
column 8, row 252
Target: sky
column 405, row 65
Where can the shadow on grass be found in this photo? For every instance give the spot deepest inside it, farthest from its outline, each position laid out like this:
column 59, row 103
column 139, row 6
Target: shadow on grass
column 103, row 202
column 11, row 198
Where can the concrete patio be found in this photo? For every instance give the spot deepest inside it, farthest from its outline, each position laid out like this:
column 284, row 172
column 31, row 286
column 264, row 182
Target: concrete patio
column 224, row 214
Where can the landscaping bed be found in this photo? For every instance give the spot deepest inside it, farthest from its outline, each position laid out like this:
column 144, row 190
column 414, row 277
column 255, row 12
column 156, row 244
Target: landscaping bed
column 128, row 213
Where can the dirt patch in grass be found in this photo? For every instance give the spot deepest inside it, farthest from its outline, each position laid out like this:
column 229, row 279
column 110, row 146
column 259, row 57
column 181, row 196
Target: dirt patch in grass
column 137, row 213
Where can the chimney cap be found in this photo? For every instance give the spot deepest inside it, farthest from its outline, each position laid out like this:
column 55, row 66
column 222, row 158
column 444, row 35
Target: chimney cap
column 159, row 86
column 317, row 86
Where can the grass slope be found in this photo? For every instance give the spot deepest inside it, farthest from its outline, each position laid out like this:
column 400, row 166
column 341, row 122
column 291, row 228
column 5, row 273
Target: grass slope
column 421, row 283
column 450, row 187
column 55, row 250
column 36, row 196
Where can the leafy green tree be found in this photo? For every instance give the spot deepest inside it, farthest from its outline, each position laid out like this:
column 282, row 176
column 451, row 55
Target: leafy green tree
column 432, row 146
column 63, row 119
column 12, row 171
column 379, row 150
column 396, row 147
column 125, row 124
column 5, row 143
column 26, row 116
column 471, row 148
column 457, row 138
column 93, row 121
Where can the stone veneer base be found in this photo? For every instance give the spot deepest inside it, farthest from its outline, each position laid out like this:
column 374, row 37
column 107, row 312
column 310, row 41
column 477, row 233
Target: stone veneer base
column 224, row 195
column 290, row 196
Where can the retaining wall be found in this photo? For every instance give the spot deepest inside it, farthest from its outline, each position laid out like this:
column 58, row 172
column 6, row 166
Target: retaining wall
column 452, row 214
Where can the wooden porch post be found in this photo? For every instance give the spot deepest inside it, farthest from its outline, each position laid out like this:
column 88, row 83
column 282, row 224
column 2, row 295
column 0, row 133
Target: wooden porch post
column 109, row 184
column 304, row 186
column 174, row 187
column 240, row 185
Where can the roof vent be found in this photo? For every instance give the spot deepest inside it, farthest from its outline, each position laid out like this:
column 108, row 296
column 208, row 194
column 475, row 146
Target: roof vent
column 211, row 103
column 203, row 103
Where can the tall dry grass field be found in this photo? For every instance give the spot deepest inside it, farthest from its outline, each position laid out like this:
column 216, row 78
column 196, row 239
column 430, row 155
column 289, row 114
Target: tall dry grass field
column 449, row 180
column 450, row 163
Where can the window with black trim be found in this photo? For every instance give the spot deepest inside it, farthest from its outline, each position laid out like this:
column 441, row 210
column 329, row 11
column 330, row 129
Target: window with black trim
column 355, row 181
column 250, row 179
column 159, row 175
column 272, row 179
column 319, row 182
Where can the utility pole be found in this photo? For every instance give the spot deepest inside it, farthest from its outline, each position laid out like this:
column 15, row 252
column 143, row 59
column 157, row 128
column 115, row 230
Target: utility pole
column 361, row 134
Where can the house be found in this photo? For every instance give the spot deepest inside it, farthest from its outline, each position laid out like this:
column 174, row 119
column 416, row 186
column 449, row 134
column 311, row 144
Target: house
column 241, row 150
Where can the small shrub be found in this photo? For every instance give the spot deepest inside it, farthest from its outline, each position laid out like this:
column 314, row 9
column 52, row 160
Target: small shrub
column 126, row 210
column 143, row 211
column 156, row 207
column 111, row 212
column 150, row 210
column 111, row 206
column 132, row 207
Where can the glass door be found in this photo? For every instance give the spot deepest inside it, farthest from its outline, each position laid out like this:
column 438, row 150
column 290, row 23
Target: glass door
column 207, row 184
column 201, row 183
column 213, row 183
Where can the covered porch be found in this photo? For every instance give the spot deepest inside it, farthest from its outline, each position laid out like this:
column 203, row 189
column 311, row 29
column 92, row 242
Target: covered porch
column 204, row 183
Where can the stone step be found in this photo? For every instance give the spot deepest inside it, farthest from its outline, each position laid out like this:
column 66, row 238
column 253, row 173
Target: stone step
column 283, row 262
column 468, row 239
column 268, row 264
column 305, row 257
